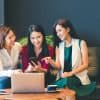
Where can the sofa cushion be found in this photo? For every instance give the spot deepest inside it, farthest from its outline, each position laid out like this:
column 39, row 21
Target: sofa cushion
column 93, row 61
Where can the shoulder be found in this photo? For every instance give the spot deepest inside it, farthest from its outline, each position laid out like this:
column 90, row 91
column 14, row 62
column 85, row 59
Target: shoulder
column 24, row 49
column 61, row 43
column 83, row 44
column 18, row 46
column 50, row 47
column 51, row 50
column 78, row 42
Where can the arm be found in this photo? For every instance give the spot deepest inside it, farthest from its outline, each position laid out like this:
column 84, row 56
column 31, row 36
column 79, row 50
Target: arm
column 55, row 63
column 19, row 46
column 84, row 65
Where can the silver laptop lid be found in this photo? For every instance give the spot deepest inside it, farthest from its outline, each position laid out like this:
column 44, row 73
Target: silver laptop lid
column 27, row 82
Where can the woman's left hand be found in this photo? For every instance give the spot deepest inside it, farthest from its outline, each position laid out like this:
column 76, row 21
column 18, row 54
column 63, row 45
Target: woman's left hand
column 67, row 74
column 38, row 67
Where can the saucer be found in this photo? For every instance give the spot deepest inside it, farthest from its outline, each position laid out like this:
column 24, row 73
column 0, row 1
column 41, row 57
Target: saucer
column 54, row 91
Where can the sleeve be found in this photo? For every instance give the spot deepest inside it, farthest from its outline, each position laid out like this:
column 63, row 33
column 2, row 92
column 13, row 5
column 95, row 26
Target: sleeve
column 51, row 51
column 44, row 65
column 19, row 46
column 24, row 57
column 51, row 54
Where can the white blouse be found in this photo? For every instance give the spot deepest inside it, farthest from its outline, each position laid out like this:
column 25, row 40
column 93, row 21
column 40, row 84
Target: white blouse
column 9, row 62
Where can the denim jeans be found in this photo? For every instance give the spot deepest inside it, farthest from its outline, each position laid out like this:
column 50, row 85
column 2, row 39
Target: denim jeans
column 5, row 82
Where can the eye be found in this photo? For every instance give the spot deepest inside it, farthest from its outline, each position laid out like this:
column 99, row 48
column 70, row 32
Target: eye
column 59, row 30
column 32, row 38
column 38, row 36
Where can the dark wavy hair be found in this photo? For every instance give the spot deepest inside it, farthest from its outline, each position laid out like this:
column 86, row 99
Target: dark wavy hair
column 4, row 30
column 66, row 24
column 31, row 53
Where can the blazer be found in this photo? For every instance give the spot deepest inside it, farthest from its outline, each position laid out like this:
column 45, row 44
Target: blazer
column 76, row 60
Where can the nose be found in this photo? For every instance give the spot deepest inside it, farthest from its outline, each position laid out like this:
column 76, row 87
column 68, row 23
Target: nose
column 36, row 40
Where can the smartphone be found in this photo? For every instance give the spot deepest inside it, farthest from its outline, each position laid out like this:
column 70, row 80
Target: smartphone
column 34, row 59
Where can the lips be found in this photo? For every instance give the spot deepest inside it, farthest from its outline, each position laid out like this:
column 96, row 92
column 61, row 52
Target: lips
column 37, row 44
column 61, row 37
column 13, row 43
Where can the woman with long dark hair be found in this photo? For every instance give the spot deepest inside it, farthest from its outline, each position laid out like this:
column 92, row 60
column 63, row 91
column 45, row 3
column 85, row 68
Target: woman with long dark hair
column 71, row 59
column 38, row 48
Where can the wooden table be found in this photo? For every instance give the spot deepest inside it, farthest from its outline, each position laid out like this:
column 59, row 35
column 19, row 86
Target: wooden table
column 64, row 94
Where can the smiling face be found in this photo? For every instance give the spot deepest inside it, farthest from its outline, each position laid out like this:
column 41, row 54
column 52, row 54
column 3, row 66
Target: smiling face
column 10, row 39
column 62, row 32
column 36, row 39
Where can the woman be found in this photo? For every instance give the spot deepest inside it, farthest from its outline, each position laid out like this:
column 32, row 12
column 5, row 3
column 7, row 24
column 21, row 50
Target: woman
column 71, row 59
column 36, row 47
column 9, row 55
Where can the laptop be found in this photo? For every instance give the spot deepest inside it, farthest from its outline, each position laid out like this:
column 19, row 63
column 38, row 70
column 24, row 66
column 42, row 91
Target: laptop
column 27, row 82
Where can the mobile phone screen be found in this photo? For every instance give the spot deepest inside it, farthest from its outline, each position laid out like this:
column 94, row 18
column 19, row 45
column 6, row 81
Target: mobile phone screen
column 34, row 59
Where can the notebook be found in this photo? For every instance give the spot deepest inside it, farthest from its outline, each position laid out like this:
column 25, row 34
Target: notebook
column 27, row 82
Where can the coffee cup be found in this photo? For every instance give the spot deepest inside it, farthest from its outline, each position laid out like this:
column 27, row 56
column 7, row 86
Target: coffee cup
column 51, row 88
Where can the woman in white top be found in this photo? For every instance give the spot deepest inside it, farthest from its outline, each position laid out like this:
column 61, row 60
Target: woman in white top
column 9, row 54
column 71, row 59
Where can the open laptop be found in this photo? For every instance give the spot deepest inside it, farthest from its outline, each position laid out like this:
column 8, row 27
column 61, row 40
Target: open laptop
column 27, row 82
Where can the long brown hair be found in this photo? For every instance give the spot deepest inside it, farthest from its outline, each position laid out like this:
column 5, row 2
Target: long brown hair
column 4, row 30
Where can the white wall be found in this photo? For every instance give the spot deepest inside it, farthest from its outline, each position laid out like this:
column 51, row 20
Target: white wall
column 1, row 11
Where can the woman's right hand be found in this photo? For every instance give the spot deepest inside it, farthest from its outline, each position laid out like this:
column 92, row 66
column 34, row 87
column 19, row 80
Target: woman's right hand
column 47, row 59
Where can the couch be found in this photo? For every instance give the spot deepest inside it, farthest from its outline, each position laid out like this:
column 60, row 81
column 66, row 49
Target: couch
column 93, row 55
column 93, row 72
column 93, row 69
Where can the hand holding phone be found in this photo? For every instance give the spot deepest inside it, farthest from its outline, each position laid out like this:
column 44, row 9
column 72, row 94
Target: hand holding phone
column 33, row 59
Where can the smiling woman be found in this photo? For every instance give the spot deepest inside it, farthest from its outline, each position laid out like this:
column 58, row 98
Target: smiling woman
column 71, row 59
column 9, row 55
column 36, row 47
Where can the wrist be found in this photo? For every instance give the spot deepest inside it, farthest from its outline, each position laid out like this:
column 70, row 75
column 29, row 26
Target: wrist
column 52, row 63
column 73, row 73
